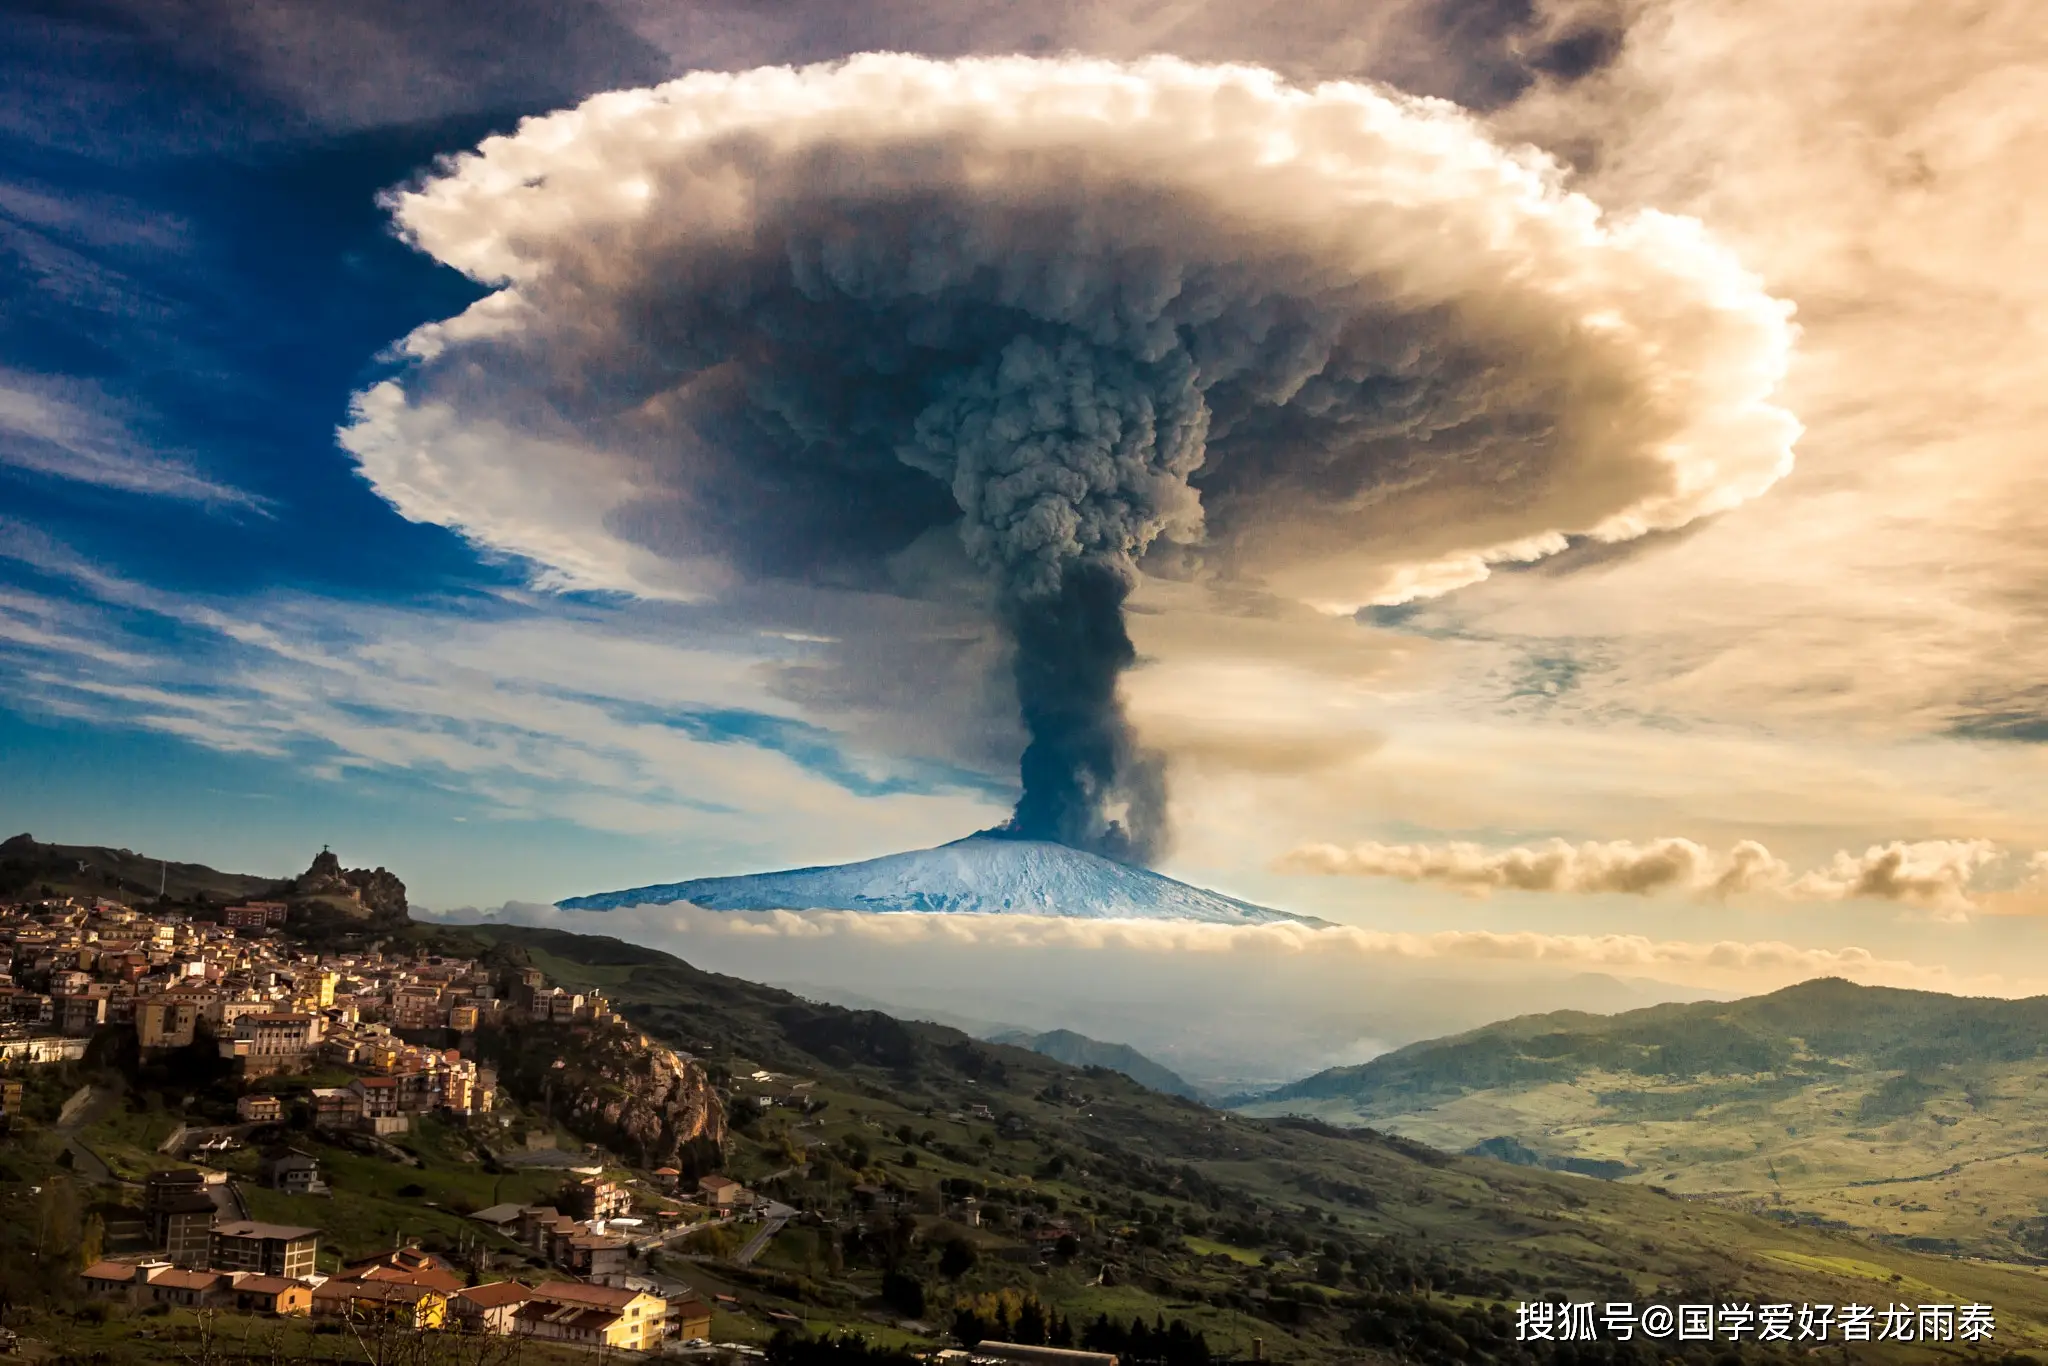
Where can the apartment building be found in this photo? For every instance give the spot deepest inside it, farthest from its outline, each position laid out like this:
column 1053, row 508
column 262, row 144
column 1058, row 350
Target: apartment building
column 268, row 1249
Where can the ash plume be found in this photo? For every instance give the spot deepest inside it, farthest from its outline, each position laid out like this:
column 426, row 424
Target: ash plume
column 1045, row 328
column 1067, row 460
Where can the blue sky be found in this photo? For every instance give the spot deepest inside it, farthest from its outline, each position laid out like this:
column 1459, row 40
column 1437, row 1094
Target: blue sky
column 220, row 640
column 197, row 276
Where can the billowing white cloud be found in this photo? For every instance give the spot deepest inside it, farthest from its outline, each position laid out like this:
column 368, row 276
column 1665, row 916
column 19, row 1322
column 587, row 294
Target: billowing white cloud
column 1935, row 874
column 1020, row 332
column 1417, row 353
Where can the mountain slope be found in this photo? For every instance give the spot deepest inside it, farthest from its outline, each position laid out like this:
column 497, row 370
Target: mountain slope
column 1910, row 1114
column 27, row 866
column 1203, row 1195
column 1078, row 1050
column 979, row 875
column 1823, row 1024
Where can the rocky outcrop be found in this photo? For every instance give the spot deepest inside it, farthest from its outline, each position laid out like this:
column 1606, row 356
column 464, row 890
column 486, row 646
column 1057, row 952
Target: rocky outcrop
column 378, row 892
column 382, row 892
column 614, row 1086
column 325, row 878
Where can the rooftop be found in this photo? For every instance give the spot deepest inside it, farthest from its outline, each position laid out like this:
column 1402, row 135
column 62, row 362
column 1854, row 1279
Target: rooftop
column 251, row 1228
column 178, row 1278
column 570, row 1315
column 498, row 1214
column 576, row 1292
column 109, row 1271
column 497, row 1294
column 268, row 1285
column 337, row 1289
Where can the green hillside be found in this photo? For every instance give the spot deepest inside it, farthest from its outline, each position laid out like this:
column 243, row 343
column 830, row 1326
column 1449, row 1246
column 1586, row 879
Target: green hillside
column 1319, row 1240
column 1919, row 1117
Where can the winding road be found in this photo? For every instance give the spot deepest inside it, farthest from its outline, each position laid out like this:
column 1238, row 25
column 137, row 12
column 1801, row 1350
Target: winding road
column 777, row 1216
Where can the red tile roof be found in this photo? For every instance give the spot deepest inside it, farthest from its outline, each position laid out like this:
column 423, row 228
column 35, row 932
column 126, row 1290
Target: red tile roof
column 179, row 1279
column 497, row 1294
column 576, row 1292
column 109, row 1271
column 268, row 1285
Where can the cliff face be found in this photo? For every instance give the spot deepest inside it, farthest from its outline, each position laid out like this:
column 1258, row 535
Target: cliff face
column 657, row 1101
column 613, row 1086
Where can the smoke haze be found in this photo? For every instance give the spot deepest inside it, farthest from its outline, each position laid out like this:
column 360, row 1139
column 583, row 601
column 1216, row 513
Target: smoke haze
column 1226, row 1006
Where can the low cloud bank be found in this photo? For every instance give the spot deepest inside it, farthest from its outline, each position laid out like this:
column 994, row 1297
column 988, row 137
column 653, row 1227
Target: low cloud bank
column 1751, row 964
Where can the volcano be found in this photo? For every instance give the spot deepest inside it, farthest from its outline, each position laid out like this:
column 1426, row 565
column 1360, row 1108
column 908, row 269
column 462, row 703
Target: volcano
column 984, row 874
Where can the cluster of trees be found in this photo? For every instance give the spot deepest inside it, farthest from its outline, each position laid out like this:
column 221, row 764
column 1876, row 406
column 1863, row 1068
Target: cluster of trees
column 1017, row 1316
column 1010, row 1316
column 789, row 1349
column 1155, row 1344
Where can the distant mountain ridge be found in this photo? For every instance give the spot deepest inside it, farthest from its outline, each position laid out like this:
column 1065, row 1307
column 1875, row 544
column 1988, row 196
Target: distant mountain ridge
column 345, row 900
column 1827, row 1021
column 1078, row 1050
column 1909, row 1115
column 27, row 866
column 980, row 875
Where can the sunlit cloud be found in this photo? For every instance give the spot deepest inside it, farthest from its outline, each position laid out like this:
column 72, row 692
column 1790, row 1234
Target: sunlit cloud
column 1752, row 964
column 1935, row 874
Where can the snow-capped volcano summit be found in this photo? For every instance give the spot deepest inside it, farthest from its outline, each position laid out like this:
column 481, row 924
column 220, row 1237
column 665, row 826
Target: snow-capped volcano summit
column 981, row 875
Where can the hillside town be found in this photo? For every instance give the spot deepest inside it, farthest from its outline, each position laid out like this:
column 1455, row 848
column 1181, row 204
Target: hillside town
column 76, row 969
column 267, row 1268
column 303, row 1106
column 84, row 973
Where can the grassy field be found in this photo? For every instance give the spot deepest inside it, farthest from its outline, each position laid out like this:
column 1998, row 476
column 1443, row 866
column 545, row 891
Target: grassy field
column 1208, row 1247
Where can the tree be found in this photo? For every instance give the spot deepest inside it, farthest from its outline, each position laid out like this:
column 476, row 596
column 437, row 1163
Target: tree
column 787, row 1349
column 856, row 1149
column 957, row 1258
column 57, row 1224
column 904, row 1293
column 93, row 1240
